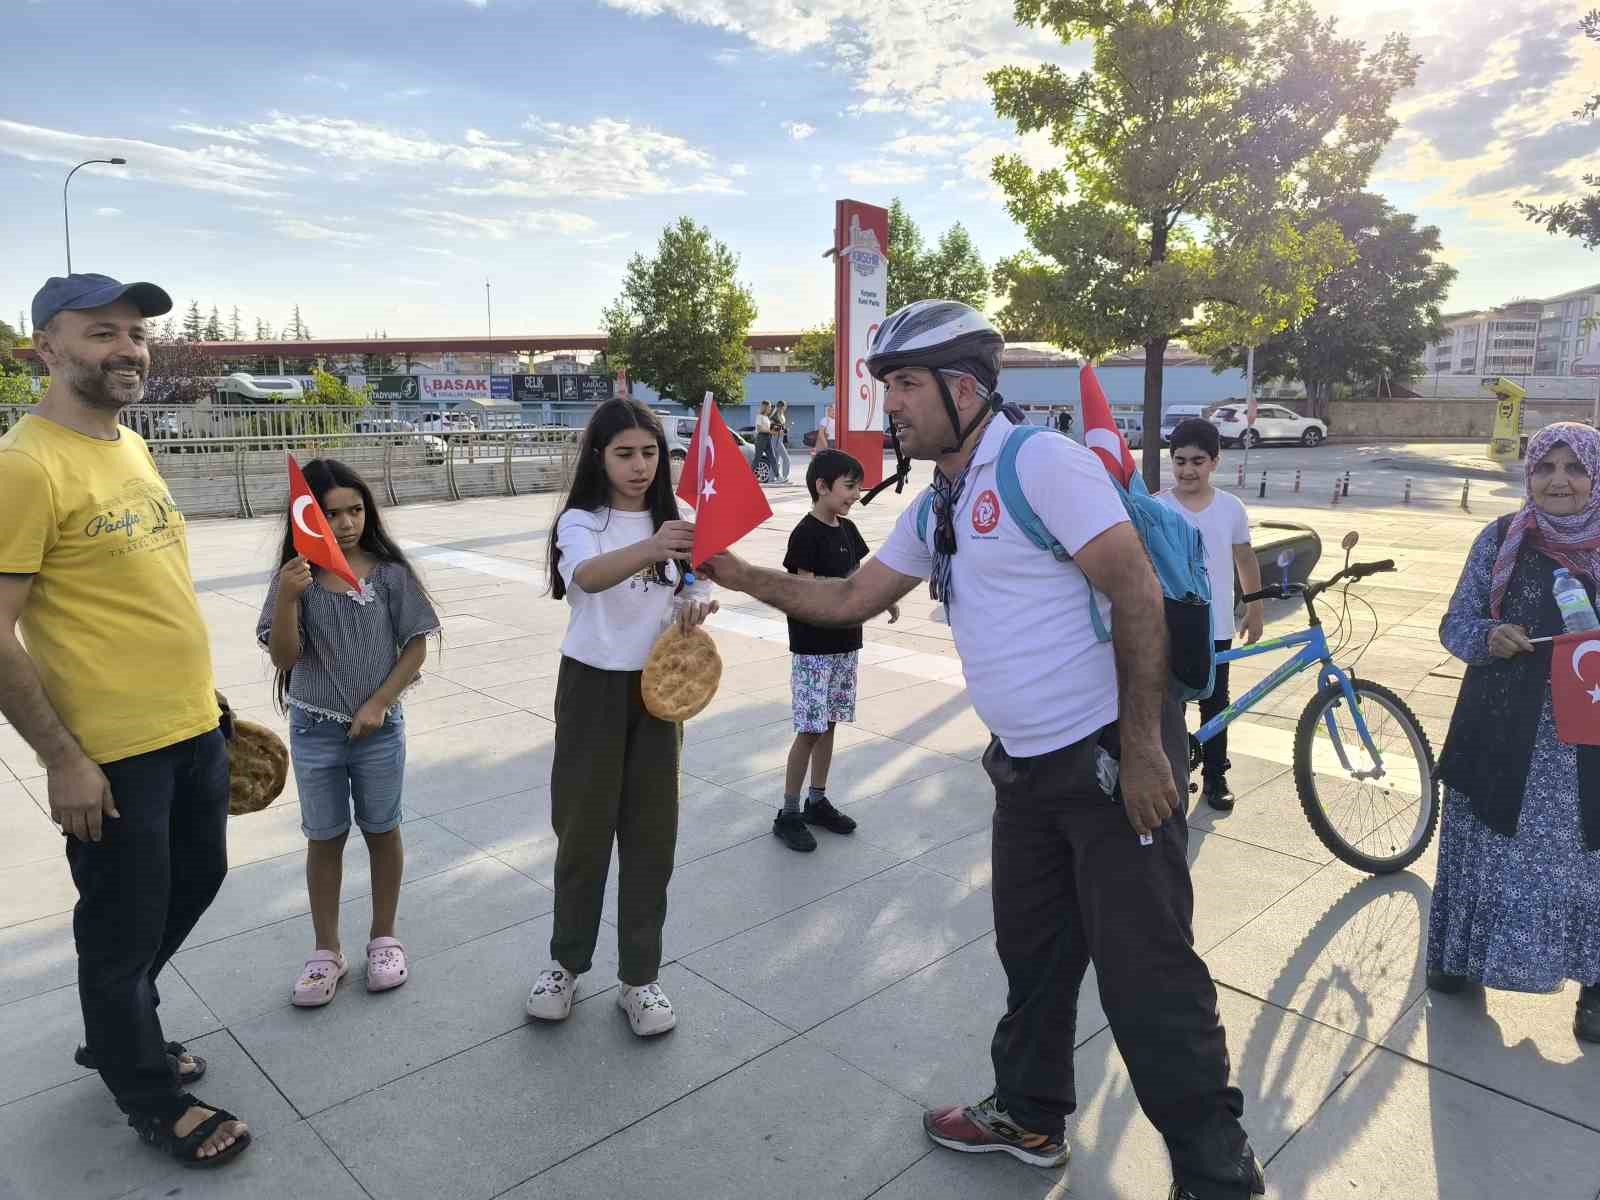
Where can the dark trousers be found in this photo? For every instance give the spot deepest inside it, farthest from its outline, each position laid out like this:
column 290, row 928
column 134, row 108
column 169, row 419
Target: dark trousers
column 614, row 780
column 1214, row 762
column 141, row 888
column 1072, row 885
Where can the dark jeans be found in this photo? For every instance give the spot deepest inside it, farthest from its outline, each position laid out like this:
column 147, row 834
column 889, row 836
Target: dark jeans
column 764, row 453
column 1072, row 885
column 614, row 781
column 141, row 888
column 1214, row 762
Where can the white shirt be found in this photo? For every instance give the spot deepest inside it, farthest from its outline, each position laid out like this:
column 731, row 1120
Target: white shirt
column 1037, row 675
column 1223, row 524
column 827, row 428
column 763, row 423
column 614, row 630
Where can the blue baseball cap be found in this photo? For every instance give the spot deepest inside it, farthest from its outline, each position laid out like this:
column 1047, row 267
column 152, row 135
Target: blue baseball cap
column 75, row 292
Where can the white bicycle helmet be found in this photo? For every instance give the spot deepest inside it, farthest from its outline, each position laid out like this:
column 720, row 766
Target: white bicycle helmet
column 939, row 335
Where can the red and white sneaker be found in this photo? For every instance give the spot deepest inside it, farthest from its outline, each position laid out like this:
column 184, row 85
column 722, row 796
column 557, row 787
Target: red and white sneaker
column 984, row 1127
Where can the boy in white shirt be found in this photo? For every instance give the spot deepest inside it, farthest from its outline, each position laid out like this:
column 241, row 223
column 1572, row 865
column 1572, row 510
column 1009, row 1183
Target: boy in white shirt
column 1224, row 527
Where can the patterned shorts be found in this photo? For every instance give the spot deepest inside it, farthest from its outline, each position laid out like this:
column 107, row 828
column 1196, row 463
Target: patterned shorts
column 824, row 688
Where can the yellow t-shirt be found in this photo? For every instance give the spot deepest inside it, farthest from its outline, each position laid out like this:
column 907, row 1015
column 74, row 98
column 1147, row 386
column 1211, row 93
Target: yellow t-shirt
column 112, row 623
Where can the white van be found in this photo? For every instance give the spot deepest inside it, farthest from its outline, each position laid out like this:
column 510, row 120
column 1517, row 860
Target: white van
column 1172, row 417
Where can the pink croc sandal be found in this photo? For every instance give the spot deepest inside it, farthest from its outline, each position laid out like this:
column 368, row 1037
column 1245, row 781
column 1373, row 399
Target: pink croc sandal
column 319, row 979
column 386, row 964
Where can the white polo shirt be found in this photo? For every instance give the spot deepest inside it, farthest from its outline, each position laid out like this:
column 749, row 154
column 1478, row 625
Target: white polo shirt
column 1037, row 675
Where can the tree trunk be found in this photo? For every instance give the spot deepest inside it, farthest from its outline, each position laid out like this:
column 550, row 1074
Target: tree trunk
column 1155, row 354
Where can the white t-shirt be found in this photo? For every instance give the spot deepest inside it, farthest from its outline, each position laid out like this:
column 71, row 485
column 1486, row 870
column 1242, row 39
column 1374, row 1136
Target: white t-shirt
column 615, row 629
column 1223, row 524
column 763, row 423
column 827, row 429
column 1037, row 675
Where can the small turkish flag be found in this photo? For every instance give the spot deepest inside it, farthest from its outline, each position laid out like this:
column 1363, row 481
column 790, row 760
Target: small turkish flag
column 313, row 536
column 1100, row 432
column 720, row 486
column 1576, row 697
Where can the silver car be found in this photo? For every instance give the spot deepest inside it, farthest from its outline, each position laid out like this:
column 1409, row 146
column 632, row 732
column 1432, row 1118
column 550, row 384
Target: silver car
column 680, row 432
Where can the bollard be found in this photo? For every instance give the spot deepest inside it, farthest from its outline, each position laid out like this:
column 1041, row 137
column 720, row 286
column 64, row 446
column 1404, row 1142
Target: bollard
column 1336, row 491
column 1262, row 494
column 1408, row 489
column 1347, row 485
column 1240, row 481
column 1465, row 485
column 1297, row 481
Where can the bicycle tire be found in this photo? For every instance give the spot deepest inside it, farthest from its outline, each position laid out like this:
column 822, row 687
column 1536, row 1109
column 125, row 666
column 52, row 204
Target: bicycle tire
column 1315, row 810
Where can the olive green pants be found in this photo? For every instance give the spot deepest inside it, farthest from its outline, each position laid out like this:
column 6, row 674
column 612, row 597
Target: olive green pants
column 614, row 780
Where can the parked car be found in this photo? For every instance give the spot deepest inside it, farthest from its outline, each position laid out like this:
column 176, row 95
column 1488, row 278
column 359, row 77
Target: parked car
column 433, row 448
column 447, row 422
column 1131, row 428
column 1172, row 417
column 1273, row 424
column 680, row 432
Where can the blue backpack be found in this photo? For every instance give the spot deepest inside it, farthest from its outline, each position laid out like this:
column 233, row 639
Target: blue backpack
column 1175, row 549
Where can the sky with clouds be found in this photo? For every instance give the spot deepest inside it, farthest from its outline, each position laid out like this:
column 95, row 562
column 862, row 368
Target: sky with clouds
column 375, row 163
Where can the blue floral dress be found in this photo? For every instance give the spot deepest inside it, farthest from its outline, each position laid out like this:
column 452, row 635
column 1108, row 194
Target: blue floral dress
column 1520, row 913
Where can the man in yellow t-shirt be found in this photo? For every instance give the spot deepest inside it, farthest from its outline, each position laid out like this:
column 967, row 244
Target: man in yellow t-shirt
column 110, row 684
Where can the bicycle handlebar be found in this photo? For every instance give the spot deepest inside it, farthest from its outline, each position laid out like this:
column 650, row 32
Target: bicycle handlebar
column 1277, row 591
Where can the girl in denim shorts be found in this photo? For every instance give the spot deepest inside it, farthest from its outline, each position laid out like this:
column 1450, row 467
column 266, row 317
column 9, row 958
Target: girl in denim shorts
column 344, row 655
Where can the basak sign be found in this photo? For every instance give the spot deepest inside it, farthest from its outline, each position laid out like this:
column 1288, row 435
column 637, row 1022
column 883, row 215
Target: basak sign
column 861, row 293
column 455, row 387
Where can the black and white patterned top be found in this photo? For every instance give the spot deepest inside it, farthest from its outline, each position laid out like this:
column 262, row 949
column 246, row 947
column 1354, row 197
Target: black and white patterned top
column 350, row 641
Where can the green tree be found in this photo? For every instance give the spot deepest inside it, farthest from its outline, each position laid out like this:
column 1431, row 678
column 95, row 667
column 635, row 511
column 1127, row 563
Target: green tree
column 213, row 328
column 1374, row 316
column 296, row 330
column 10, row 339
column 814, row 353
column 1578, row 218
column 1194, row 135
column 263, row 331
column 193, row 324
column 952, row 270
column 330, row 391
column 235, row 326
column 680, row 324
column 16, row 389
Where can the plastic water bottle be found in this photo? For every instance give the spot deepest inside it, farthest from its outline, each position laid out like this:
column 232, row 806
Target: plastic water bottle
column 1577, row 614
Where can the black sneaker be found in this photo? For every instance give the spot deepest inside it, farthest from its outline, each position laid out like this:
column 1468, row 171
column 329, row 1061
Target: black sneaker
column 1217, row 793
column 1587, row 1023
column 823, row 813
column 790, row 829
column 1256, row 1184
column 1444, row 983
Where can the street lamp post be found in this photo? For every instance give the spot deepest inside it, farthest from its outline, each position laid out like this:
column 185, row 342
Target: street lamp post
column 66, row 221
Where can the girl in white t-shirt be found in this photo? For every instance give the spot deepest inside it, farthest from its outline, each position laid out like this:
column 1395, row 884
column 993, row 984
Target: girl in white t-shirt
column 617, row 556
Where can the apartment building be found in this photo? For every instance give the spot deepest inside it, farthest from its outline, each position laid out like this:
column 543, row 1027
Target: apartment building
column 1525, row 337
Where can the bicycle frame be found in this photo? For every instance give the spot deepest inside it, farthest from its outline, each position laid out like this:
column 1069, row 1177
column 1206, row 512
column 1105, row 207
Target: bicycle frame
column 1313, row 645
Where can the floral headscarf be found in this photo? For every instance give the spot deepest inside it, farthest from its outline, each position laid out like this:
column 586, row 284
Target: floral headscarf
column 1574, row 540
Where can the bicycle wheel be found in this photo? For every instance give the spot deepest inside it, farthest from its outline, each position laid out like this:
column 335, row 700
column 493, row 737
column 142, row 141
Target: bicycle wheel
column 1376, row 823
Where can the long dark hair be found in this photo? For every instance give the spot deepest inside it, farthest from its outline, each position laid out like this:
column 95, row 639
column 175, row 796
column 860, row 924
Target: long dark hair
column 591, row 489
column 322, row 476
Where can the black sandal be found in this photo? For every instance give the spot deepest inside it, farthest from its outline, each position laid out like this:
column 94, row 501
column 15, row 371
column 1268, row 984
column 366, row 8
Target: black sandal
column 162, row 1135
column 175, row 1052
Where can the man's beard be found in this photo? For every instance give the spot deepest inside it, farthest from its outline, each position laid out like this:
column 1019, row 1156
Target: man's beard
column 93, row 383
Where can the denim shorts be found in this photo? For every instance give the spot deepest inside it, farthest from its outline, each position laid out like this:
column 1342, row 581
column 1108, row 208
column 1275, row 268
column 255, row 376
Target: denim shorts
column 335, row 774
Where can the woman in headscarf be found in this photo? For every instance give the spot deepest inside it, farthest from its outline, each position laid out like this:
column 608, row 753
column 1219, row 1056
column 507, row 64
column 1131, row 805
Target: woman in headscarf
column 1517, row 900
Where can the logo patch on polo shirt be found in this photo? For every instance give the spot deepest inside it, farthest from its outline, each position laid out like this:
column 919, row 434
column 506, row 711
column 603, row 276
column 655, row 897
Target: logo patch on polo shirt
column 986, row 512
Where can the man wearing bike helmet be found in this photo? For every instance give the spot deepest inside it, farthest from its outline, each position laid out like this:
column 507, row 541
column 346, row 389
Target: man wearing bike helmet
column 1078, row 877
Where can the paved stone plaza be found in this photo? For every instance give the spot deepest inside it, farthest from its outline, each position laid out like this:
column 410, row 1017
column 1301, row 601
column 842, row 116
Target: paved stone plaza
column 823, row 999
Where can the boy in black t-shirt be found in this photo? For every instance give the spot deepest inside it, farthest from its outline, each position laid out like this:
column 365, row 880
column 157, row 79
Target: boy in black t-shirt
column 823, row 677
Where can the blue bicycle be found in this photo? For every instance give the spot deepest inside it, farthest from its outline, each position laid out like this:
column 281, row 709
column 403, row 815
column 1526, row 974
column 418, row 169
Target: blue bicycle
column 1363, row 767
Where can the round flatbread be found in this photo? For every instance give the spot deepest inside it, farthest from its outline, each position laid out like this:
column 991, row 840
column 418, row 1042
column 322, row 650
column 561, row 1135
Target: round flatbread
column 258, row 767
column 681, row 674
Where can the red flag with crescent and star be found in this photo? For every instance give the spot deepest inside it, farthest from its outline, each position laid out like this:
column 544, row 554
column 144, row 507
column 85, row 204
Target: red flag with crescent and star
column 720, row 486
column 1575, row 688
column 313, row 536
column 1100, row 432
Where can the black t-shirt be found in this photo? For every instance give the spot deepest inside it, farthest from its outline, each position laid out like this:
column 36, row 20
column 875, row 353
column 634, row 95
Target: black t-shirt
column 828, row 552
